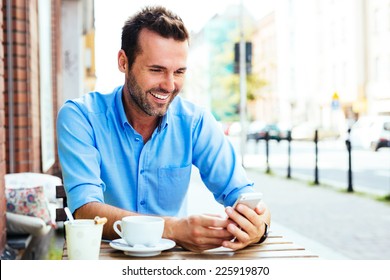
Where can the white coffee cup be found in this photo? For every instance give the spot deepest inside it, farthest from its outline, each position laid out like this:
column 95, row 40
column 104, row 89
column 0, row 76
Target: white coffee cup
column 140, row 230
column 83, row 238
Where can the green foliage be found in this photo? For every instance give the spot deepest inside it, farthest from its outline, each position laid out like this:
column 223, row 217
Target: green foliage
column 225, row 85
column 385, row 198
column 253, row 83
column 220, row 35
column 56, row 246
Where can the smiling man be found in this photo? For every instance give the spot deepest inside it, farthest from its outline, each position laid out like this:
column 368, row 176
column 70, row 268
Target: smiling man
column 131, row 151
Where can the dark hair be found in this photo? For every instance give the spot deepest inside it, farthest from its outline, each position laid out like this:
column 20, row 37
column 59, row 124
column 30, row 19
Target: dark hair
column 157, row 19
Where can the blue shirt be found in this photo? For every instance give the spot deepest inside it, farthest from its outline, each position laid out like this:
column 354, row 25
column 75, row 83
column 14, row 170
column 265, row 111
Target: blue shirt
column 104, row 159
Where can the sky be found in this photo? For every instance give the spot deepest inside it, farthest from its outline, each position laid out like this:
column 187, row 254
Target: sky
column 110, row 16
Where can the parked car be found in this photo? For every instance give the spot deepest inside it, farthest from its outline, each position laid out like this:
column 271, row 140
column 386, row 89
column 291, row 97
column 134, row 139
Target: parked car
column 257, row 131
column 303, row 131
column 371, row 132
column 253, row 129
column 284, row 130
column 306, row 131
column 233, row 129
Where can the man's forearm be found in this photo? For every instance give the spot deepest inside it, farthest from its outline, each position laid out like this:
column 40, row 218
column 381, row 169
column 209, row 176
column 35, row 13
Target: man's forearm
column 93, row 209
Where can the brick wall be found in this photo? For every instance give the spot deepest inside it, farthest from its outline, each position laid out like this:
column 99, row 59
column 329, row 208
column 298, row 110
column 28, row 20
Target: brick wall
column 26, row 117
column 26, row 141
column 25, row 87
column 2, row 140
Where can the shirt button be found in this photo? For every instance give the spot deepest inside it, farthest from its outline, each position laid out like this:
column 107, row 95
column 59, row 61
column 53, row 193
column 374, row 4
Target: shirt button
column 137, row 139
column 142, row 202
column 142, row 171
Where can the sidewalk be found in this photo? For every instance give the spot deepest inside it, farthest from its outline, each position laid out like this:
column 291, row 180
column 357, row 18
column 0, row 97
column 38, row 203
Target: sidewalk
column 332, row 224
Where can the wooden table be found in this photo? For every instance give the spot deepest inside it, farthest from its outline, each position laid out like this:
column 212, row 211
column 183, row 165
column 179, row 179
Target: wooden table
column 275, row 247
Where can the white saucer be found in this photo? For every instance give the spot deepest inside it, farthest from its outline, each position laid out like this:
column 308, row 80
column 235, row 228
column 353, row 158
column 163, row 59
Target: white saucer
column 141, row 250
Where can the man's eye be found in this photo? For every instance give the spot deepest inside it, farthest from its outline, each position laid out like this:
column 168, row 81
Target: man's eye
column 155, row 70
column 180, row 72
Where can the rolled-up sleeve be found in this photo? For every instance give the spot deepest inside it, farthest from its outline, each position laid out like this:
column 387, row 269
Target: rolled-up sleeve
column 79, row 158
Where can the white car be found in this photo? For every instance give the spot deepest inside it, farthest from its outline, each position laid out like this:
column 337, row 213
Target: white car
column 371, row 132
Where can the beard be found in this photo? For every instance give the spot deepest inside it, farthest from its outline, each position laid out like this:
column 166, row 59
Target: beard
column 140, row 98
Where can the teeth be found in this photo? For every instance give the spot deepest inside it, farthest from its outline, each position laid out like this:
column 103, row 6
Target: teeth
column 162, row 97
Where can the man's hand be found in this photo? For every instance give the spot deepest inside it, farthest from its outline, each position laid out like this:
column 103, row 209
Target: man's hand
column 246, row 225
column 198, row 232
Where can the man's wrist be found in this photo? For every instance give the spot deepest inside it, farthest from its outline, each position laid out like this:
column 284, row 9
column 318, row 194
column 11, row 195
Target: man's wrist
column 170, row 223
column 265, row 235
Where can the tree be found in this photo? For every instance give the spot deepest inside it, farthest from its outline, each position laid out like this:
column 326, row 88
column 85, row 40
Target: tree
column 226, row 85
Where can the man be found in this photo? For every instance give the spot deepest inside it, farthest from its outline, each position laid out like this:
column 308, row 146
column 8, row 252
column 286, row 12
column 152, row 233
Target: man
column 131, row 151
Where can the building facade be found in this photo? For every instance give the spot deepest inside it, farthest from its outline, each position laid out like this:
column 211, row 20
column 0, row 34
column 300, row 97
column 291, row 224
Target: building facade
column 266, row 106
column 332, row 60
column 376, row 100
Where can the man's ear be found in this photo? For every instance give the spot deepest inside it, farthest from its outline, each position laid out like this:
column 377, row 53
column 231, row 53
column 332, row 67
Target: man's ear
column 122, row 61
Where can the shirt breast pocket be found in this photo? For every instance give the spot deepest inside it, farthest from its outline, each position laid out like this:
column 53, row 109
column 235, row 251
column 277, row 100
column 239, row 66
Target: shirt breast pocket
column 172, row 187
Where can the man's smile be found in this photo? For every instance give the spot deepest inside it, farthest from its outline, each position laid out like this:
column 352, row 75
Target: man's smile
column 159, row 96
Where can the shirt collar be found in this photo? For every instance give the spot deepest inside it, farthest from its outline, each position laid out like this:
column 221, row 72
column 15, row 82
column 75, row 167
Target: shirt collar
column 119, row 106
column 163, row 122
column 122, row 114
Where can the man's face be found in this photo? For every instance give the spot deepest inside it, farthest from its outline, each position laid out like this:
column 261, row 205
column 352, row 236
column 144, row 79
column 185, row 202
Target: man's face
column 157, row 74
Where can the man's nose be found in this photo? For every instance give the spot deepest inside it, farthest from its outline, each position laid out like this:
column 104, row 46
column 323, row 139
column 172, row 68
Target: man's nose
column 169, row 83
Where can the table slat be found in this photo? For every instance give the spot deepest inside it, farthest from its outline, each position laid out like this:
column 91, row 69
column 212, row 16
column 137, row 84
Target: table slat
column 275, row 247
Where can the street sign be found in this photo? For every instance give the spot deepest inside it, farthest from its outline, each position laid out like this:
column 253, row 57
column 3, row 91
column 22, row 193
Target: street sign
column 335, row 101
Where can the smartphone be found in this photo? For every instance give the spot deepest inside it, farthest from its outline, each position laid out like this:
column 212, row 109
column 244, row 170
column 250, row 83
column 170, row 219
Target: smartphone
column 251, row 200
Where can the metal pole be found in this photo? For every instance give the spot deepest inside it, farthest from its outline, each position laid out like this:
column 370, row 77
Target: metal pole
column 10, row 82
column 242, row 84
column 267, row 151
column 316, row 182
column 289, row 154
column 349, row 149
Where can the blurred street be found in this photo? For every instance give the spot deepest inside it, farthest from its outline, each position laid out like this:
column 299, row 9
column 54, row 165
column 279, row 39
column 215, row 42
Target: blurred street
column 332, row 224
column 371, row 170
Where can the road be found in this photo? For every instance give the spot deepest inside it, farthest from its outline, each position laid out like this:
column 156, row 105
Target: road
column 371, row 170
